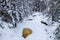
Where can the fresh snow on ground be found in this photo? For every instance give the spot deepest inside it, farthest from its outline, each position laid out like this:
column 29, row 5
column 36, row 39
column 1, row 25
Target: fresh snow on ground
column 39, row 31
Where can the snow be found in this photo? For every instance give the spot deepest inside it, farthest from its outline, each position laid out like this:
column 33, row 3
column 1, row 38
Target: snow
column 7, row 34
column 38, row 29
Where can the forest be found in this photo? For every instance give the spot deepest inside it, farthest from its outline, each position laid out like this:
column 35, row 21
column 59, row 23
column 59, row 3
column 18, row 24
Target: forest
column 15, row 15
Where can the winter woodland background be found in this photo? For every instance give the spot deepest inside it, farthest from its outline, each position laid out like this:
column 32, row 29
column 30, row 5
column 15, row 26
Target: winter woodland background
column 13, row 12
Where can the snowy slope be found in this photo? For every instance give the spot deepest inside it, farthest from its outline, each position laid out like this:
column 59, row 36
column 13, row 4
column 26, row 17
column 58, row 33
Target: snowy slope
column 39, row 31
column 36, row 26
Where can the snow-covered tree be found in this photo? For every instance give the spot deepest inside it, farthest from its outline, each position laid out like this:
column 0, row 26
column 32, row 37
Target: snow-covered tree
column 39, row 5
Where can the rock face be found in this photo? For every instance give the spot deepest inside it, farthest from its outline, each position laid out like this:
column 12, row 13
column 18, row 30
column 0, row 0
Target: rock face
column 26, row 32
